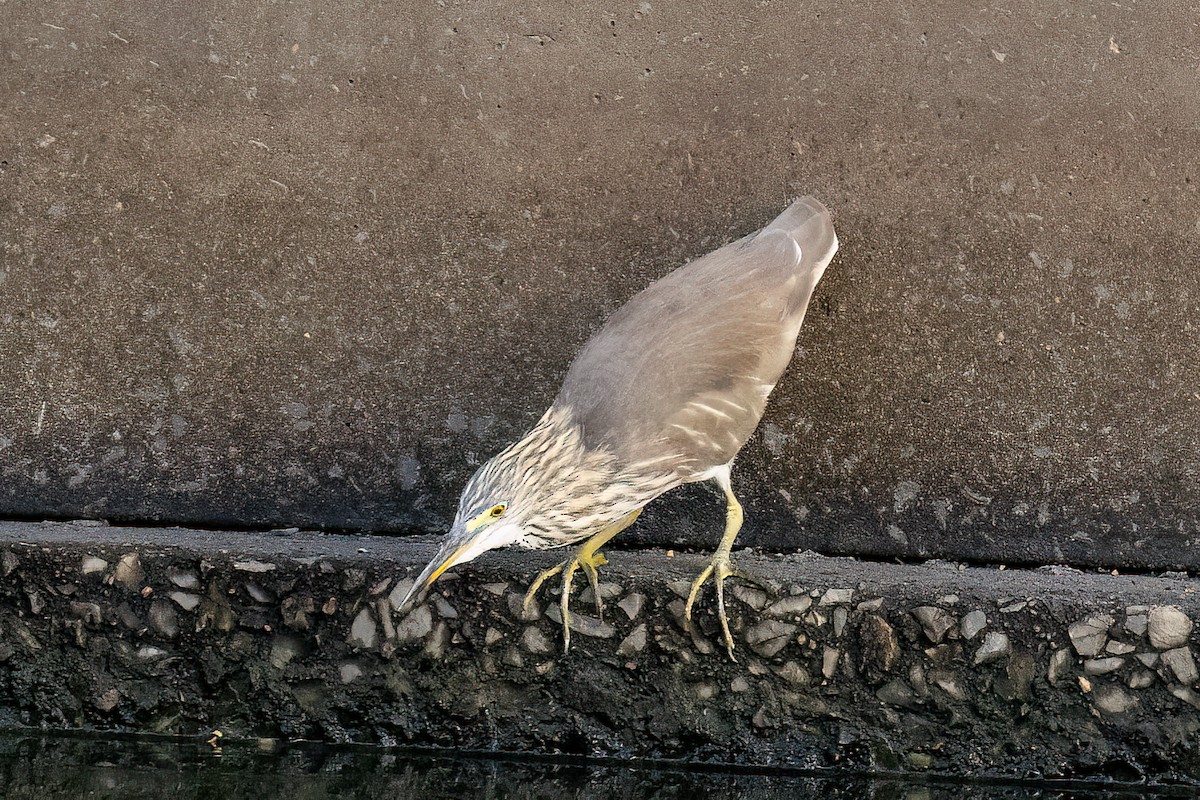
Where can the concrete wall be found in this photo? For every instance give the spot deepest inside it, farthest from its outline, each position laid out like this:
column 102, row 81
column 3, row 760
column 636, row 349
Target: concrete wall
column 308, row 264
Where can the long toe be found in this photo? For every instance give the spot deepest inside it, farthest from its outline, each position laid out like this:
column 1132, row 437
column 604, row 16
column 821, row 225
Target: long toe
column 531, row 595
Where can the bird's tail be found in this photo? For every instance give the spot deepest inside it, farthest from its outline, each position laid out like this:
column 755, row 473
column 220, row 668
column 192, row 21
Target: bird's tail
column 808, row 225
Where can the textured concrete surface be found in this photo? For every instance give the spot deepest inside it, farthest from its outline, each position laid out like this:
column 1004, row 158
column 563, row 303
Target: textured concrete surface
column 307, row 264
column 851, row 665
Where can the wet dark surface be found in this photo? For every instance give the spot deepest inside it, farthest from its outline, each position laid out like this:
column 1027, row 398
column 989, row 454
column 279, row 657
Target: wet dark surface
column 60, row 767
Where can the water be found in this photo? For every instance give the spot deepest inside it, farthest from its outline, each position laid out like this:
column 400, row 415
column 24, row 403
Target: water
column 60, row 767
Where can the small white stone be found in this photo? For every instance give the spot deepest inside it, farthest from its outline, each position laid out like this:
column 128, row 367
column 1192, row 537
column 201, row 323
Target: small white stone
column 1182, row 664
column 1113, row 699
column 829, row 661
column 995, row 646
column 1103, row 666
column 349, row 673
column 1169, row 627
column 253, row 566
column 1059, row 661
column 364, row 632
column 635, row 643
column 1088, row 636
column 790, row 606
column 93, row 564
column 972, row 624
column 837, row 596
column 185, row 600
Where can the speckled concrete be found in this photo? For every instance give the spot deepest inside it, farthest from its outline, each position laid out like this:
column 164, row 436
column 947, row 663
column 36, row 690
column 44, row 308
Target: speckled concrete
column 310, row 263
column 919, row 668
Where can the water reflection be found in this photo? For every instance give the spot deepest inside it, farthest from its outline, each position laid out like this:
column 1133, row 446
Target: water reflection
column 55, row 768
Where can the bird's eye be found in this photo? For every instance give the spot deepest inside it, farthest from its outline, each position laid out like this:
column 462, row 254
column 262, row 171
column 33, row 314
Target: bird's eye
column 497, row 511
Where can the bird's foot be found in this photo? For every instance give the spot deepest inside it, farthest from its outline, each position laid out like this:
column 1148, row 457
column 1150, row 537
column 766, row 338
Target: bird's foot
column 719, row 569
column 588, row 562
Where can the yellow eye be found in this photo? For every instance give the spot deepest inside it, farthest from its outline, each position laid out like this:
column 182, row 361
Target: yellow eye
column 497, row 511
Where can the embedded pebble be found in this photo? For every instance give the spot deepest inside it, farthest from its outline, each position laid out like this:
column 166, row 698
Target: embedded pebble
column 635, row 642
column 840, row 617
column 93, row 564
column 9, row 562
column 705, row 691
column 794, row 674
column 1103, row 666
column 284, row 648
column 1088, row 636
column 1182, row 664
column 88, row 612
column 184, row 579
column 790, row 606
column 770, row 636
column 972, row 624
column 444, row 609
column 836, row 596
column 512, row 657
column 350, row 672
column 632, row 605
column 935, row 622
column 1119, row 648
column 995, row 646
column 253, row 566
column 417, row 625
column 829, row 661
column 607, row 592
column 163, row 619
column 364, row 632
column 739, row 684
column 1113, row 699
column 259, row 594
column 491, row 636
column 750, row 595
column 1141, row 679
column 108, row 701
column 150, row 653
column 1137, row 624
column 879, row 648
column 584, row 624
column 683, row 588
column 536, row 642
column 897, row 693
column 1147, row 659
column 184, row 600
column 400, row 591
column 1060, row 663
column 1187, row 695
column 496, row 589
column 1169, row 627
column 870, row 605
column 436, row 644
column 129, row 572
column 948, row 684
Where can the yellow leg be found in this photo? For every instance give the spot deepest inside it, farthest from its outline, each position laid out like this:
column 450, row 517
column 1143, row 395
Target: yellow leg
column 588, row 558
column 720, row 567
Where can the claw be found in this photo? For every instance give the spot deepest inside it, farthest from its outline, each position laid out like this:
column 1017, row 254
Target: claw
column 527, row 606
column 719, row 569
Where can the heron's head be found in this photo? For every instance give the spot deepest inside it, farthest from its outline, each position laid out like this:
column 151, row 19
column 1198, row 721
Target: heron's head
column 545, row 490
column 492, row 513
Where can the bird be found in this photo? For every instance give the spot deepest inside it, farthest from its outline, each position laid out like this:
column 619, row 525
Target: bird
column 665, row 393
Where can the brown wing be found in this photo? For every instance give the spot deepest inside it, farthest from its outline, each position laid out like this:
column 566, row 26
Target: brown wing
column 681, row 373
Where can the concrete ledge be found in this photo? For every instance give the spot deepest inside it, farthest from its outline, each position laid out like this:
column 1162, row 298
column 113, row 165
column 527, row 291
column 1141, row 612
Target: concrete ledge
column 871, row 666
